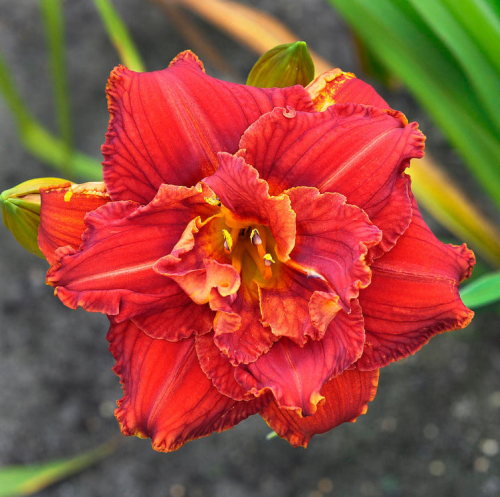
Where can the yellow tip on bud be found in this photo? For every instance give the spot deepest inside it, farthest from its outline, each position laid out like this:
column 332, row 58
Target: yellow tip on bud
column 284, row 65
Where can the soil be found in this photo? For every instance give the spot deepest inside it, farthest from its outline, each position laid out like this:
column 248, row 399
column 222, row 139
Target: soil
column 432, row 430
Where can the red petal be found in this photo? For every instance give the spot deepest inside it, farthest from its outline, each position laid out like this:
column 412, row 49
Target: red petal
column 239, row 332
column 200, row 283
column 346, row 398
column 217, row 367
column 113, row 270
column 297, row 374
column 337, row 87
column 358, row 151
column 61, row 221
column 413, row 295
column 167, row 126
column 167, row 396
column 333, row 239
column 241, row 191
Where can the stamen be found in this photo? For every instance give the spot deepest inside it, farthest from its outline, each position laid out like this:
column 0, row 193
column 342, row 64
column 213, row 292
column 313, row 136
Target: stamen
column 268, row 260
column 228, row 241
column 255, row 237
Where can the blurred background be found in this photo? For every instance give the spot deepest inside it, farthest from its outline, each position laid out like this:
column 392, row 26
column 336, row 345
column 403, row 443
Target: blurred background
column 433, row 428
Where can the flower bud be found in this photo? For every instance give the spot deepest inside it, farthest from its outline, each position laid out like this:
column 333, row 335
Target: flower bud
column 21, row 210
column 284, row 65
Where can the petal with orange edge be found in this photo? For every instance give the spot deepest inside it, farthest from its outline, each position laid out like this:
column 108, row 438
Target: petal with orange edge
column 413, row 295
column 113, row 273
column 167, row 126
column 346, row 398
column 239, row 332
column 242, row 192
column 167, row 396
column 360, row 152
column 62, row 217
column 297, row 374
column 338, row 87
column 333, row 239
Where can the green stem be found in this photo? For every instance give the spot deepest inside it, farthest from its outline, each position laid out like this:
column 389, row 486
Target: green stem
column 52, row 15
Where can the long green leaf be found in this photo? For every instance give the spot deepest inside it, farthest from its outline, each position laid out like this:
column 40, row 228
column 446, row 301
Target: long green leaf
column 459, row 42
column 119, row 36
column 26, row 480
column 52, row 15
column 481, row 292
column 434, row 77
column 483, row 24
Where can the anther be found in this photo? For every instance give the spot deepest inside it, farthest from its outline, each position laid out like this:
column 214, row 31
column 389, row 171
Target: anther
column 268, row 260
column 228, row 241
column 255, row 237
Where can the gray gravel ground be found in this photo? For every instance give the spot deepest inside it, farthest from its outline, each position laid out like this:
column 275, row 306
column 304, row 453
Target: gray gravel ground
column 432, row 430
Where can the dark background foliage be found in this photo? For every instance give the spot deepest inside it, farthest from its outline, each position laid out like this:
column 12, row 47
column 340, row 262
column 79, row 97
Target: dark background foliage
column 432, row 430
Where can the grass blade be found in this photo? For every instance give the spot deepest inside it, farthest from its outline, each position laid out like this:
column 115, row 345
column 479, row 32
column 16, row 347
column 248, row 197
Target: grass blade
column 119, row 36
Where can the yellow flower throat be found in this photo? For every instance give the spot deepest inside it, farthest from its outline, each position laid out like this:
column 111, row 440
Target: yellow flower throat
column 242, row 239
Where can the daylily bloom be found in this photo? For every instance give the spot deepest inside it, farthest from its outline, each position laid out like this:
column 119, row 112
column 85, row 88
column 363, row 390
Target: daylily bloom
column 256, row 251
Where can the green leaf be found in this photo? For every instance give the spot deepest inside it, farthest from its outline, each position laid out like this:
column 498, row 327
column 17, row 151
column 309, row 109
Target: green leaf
column 52, row 15
column 485, row 290
column 26, row 480
column 483, row 76
column 412, row 51
column 119, row 36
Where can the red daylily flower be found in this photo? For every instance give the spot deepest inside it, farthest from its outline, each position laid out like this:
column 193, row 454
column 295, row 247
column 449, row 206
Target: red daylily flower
column 255, row 250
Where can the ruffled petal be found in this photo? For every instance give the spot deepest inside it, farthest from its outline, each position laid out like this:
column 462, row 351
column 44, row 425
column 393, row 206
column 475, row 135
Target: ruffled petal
column 242, row 192
column 286, row 301
column 167, row 126
column 200, row 267
column 357, row 151
column 333, row 239
column 346, row 398
column 167, row 397
column 113, row 273
column 338, row 87
column 295, row 374
column 217, row 367
column 61, row 216
column 413, row 295
column 239, row 332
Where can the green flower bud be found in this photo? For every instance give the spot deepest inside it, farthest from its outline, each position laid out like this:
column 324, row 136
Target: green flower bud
column 21, row 211
column 284, row 65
